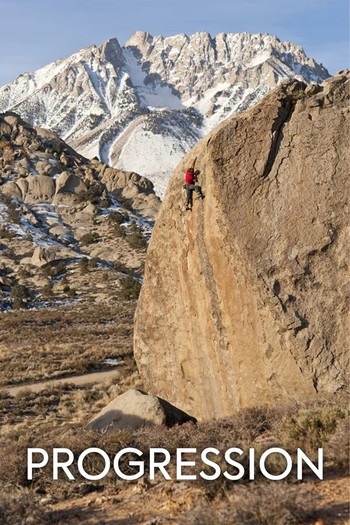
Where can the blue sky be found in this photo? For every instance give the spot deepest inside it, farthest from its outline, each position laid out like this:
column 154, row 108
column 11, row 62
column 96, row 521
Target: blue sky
column 36, row 32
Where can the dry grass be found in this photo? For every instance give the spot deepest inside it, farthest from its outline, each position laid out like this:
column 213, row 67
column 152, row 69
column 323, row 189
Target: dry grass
column 257, row 504
column 42, row 344
column 56, row 418
column 51, row 343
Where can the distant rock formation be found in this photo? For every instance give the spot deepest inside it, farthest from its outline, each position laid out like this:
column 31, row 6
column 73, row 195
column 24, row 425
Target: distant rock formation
column 37, row 166
column 244, row 300
column 57, row 207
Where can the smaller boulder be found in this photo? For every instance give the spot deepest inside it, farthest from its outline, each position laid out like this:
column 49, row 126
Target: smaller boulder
column 42, row 256
column 135, row 409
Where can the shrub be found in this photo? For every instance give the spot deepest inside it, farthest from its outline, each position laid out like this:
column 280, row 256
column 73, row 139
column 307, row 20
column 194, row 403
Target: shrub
column 20, row 507
column 6, row 234
column 59, row 269
column 13, row 213
column 135, row 238
column 93, row 262
column 93, row 192
column 89, row 238
column 310, row 428
column 106, row 202
column 54, row 270
column 19, row 294
column 117, row 217
column 23, row 273
column 48, row 291
column 129, row 289
column 105, row 277
column 84, row 265
column 120, row 267
column 270, row 503
column 119, row 230
column 64, row 281
column 72, row 292
column 339, row 444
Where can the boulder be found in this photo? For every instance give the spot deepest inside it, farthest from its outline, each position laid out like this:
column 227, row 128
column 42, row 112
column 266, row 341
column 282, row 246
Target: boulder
column 68, row 187
column 59, row 230
column 69, row 182
column 135, row 409
column 42, row 256
column 41, row 188
column 12, row 190
column 244, row 299
column 12, row 119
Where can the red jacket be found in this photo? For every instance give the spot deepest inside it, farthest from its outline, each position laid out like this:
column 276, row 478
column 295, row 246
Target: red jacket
column 189, row 178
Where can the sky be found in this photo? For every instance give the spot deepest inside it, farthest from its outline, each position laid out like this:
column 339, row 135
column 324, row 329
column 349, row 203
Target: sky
column 36, row 32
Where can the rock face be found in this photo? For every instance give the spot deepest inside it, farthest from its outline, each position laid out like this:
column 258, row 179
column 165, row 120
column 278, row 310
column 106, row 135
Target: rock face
column 244, row 300
column 143, row 105
column 135, row 409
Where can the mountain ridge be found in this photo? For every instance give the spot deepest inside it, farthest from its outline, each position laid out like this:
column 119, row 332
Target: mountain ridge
column 182, row 86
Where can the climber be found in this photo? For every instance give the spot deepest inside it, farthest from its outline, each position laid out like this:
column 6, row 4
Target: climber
column 191, row 179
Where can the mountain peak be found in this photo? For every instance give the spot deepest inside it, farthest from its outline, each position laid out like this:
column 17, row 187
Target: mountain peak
column 142, row 105
column 139, row 38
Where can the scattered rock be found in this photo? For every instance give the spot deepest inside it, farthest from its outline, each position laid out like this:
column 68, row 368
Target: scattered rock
column 135, row 409
column 42, row 256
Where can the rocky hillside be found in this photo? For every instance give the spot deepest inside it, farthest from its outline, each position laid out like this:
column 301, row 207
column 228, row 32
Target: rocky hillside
column 63, row 216
column 143, row 105
column 244, row 300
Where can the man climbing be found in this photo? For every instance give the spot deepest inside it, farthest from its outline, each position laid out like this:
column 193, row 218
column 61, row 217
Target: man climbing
column 191, row 179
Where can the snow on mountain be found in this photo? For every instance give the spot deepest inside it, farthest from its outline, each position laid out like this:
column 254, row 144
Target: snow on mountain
column 143, row 105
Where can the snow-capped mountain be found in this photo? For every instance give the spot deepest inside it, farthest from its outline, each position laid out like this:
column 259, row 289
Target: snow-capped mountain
column 143, row 105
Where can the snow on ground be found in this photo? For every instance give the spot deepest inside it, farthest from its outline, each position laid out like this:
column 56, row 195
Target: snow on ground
column 111, row 361
column 152, row 96
column 154, row 155
column 39, row 233
column 205, row 103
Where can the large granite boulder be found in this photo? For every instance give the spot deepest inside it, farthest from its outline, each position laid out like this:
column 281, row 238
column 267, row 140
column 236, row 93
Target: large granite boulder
column 244, row 300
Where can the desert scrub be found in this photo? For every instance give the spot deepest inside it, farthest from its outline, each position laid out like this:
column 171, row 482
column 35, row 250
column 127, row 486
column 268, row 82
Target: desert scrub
column 21, row 507
column 47, row 291
column 258, row 504
column 311, row 428
column 84, row 265
column 119, row 230
column 54, row 269
column 89, row 238
column 129, row 289
column 5, row 233
column 135, row 238
column 93, row 192
column 117, row 217
column 338, row 447
column 64, row 335
column 271, row 503
column 19, row 295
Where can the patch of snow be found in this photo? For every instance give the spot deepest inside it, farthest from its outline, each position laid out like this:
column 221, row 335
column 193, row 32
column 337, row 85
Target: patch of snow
column 156, row 96
column 111, row 361
column 156, row 155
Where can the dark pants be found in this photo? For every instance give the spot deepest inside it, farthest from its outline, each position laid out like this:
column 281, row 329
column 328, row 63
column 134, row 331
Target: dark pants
column 190, row 188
